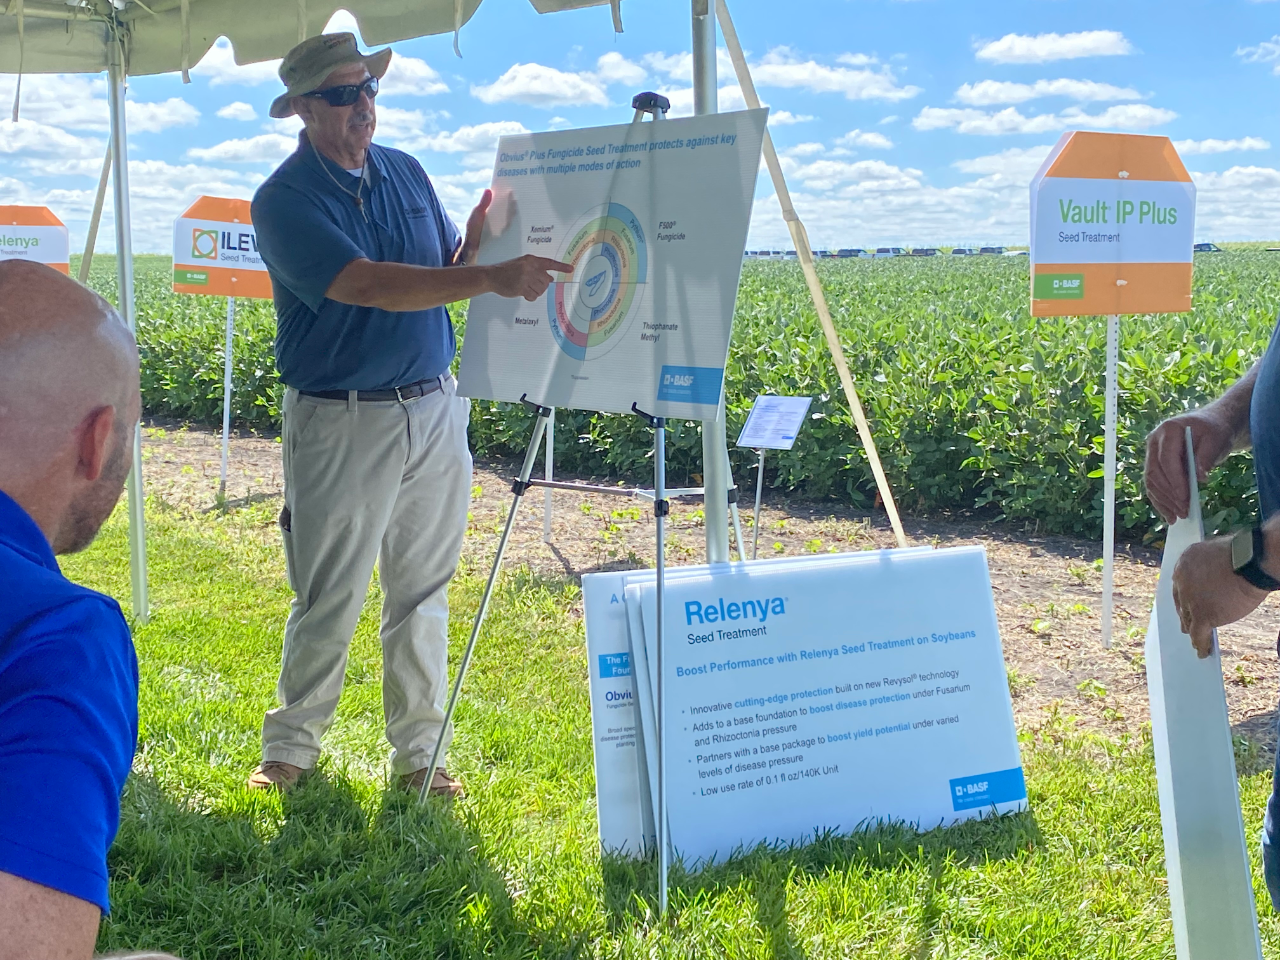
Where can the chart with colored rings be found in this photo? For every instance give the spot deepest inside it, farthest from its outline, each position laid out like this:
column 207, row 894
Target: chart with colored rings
column 589, row 311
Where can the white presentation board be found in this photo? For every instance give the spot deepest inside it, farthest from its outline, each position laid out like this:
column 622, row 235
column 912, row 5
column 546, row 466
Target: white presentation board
column 823, row 698
column 653, row 218
column 1207, row 862
column 774, row 422
column 622, row 704
column 902, row 761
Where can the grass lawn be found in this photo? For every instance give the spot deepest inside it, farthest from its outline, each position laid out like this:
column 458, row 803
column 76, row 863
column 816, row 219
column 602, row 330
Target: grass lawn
column 344, row 868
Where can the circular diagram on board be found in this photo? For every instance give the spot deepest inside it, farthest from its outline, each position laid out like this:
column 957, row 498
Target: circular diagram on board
column 589, row 311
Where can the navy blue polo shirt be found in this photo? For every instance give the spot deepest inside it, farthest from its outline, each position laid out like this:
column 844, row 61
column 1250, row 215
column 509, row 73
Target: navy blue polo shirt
column 1264, row 427
column 68, row 717
column 309, row 229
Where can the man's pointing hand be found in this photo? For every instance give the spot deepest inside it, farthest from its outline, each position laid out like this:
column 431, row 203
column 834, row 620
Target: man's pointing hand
column 527, row 276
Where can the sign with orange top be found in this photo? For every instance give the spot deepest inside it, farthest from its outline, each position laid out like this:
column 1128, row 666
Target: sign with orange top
column 1112, row 224
column 215, row 251
column 34, row 233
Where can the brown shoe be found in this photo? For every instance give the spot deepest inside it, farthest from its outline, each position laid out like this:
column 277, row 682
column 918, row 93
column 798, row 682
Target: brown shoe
column 442, row 785
column 275, row 775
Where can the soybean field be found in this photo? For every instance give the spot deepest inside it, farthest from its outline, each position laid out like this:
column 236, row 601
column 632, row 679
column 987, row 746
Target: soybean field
column 976, row 406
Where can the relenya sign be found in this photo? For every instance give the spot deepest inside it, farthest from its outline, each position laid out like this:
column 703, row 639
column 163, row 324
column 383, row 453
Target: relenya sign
column 1112, row 224
column 215, row 251
column 34, row 233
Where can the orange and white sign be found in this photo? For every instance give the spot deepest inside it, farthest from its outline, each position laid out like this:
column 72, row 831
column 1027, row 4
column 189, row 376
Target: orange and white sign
column 215, row 251
column 34, row 233
column 1112, row 226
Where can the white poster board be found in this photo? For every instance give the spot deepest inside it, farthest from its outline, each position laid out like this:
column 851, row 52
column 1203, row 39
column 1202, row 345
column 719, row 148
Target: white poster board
column 1210, row 890
column 622, row 701
column 774, row 422
column 801, row 699
column 653, row 217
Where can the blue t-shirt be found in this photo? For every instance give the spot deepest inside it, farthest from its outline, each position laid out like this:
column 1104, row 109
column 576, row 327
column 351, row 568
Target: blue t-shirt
column 309, row 229
column 68, row 717
column 1264, row 427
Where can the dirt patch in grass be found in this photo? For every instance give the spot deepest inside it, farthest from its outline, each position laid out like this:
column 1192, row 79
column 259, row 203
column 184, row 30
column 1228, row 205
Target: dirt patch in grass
column 1048, row 590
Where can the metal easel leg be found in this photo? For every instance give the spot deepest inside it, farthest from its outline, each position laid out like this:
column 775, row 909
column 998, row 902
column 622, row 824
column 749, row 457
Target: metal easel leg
column 518, row 489
column 660, row 510
column 755, row 526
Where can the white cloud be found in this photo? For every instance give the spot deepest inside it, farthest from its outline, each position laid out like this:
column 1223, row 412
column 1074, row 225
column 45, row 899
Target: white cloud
column 804, row 150
column 155, row 117
column 265, row 148
column 410, row 77
column 285, row 126
column 239, row 110
column 30, row 138
column 541, row 86
column 863, row 175
column 1138, row 116
column 889, row 119
column 1194, row 147
column 396, row 124
column 1268, row 51
column 220, row 67
column 727, row 98
column 1242, row 203
column 780, row 67
column 1016, row 163
column 867, row 138
column 1046, row 47
column 79, row 102
column 559, row 123
column 679, row 66
column 613, row 67
column 471, row 139
column 988, row 92
column 782, row 118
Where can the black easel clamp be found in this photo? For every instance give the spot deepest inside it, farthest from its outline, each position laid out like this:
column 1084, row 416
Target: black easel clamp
column 733, row 494
column 661, row 508
column 518, row 486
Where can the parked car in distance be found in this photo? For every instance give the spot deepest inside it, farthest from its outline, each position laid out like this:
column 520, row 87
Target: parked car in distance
column 845, row 252
column 924, row 252
column 1017, row 253
column 889, row 252
column 1206, row 248
column 789, row 255
column 964, row 252
column 994, row 251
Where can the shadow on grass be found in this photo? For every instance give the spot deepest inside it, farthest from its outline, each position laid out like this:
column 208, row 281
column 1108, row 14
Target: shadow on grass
column 766, row 873
column 312, row 875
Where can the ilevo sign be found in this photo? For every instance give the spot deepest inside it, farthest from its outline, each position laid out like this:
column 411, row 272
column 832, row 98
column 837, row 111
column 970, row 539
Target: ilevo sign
column 215, row 251
column 1112, row 226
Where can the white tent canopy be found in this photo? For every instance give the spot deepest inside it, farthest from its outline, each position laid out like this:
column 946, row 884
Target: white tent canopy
column 164, row 36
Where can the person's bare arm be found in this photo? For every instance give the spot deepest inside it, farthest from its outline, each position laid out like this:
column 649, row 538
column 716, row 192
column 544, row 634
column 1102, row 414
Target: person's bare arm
column 402, row 287
column 1216, row 430
column 38, row 921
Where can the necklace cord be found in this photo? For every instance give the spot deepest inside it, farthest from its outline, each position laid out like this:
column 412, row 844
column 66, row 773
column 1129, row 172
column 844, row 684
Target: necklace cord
column 359, row 187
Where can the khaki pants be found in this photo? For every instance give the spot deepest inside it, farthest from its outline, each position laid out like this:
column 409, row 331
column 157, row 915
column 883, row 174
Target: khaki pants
column 364, row 481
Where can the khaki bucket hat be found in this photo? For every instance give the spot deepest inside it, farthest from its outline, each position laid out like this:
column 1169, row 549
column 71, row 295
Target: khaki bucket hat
column 305, row 67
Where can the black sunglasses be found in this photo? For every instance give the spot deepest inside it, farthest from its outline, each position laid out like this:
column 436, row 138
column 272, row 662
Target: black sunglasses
column 346, row 94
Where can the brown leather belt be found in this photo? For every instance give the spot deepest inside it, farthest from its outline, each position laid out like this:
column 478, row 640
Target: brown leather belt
column 408, row 392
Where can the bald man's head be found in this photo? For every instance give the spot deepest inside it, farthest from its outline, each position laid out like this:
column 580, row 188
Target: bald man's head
column 68, row 402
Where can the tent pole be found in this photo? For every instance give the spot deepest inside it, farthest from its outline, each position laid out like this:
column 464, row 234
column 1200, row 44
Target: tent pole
column 124, row 275
column 91, row 240
column 715, row 453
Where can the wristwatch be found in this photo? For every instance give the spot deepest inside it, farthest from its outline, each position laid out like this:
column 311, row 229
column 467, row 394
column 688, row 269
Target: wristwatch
column 1246, row 558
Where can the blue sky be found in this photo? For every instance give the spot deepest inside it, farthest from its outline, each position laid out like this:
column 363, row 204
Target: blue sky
column 900, row 121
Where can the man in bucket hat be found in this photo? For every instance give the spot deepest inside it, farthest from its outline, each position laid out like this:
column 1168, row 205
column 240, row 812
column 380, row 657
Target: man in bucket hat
column 363, row 260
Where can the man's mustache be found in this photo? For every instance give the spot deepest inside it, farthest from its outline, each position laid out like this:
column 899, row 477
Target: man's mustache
column 359, row 117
